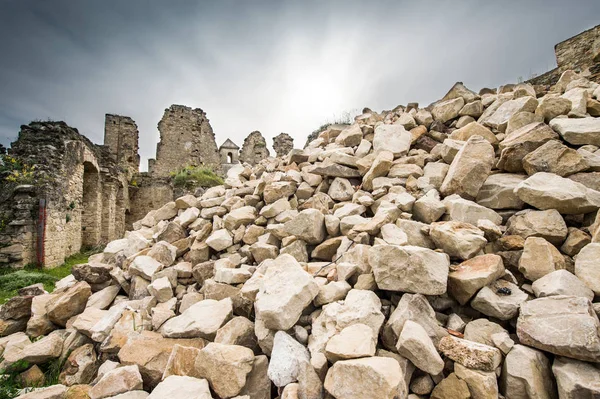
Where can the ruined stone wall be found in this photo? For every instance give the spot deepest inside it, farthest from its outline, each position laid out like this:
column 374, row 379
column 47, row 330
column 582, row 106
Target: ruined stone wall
column 79, row 182
column 282, row 144
column 151, row 192
column 18, row 211
column 121, row 136
column 580, row 53
column 186, row 138
column 254, row 149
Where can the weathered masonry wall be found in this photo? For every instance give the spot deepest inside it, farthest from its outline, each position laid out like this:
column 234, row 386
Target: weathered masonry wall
column 580, row 53
column 85, row 192
column 186, row 138
column 121, row 136
column 282, row 144
column 254, row 149
column 151, row 193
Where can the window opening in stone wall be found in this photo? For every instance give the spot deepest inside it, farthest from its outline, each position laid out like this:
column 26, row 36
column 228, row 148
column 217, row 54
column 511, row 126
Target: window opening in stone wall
column 229, row 157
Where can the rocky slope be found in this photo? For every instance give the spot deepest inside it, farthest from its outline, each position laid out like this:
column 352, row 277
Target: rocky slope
column 444, row 252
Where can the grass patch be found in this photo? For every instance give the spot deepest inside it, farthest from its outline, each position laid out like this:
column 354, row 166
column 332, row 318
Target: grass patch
column 9, row 383
column 13, row 280
column 195, row 176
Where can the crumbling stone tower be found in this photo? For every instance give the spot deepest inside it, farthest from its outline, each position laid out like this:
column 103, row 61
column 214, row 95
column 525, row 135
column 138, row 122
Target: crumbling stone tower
column 121, row 136
column 186, row 138
column 254, row 148
column 282, row 144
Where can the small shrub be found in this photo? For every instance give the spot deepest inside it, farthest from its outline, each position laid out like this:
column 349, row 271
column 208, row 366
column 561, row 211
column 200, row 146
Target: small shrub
column 15, row 171
column 68, row 218
column 195, row 176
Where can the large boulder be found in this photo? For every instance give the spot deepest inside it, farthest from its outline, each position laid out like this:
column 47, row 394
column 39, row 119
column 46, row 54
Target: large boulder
column 68, row 303
column 578, row 131
column 520, row 143
column 471, row 275
column 225, row 367
column 527, row 371
column 285, row 291
column 393, row 138
column 586, row 266
column 176, row 386
column 457, row 239
column 549, row 191
column 555, row 157
column 415, row 345
column 576, row 379
column 497, row 191
column 308, row 225
column 409, row 269
column 563, row 325
column 202, row 319
column 367, row 378
column 469, row 169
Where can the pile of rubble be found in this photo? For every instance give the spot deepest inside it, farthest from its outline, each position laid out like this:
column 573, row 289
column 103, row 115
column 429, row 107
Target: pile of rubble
column 444, row 252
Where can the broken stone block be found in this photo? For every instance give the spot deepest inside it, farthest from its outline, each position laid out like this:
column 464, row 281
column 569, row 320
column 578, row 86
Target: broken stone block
column 576, row 379
column 540, row 258
column 457, row 239
column 225, row 367
column 549, row 191
column 202, row 319
column 415, row 345
column 469, row 169
column 368, row 378
column 561, row 282
column 117, row 381
column 285, row 290
column 471, row 275
column 563, row 325
column 586, row 266
column 68, row 303
column 526, row 370
column 470, row 354
column 181, row 386
column 409, row 269
column 352, row 342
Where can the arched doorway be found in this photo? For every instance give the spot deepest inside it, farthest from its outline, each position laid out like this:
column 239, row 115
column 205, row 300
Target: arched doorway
column 91, row 206
column 229, row 157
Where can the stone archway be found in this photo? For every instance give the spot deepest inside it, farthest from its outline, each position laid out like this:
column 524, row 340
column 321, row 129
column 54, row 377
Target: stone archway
column 91, row 206
column 229, row 157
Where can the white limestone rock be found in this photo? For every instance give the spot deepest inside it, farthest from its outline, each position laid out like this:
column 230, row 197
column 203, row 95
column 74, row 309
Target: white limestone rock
column 285, row 290
column 409, row 269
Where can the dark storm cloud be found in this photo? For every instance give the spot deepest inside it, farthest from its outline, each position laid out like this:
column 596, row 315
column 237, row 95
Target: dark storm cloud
column 271, row 66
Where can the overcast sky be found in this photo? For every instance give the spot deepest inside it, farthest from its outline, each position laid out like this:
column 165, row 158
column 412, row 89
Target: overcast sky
column 274, row 66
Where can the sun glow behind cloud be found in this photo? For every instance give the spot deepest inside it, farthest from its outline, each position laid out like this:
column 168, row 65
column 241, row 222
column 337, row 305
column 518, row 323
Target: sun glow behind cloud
column 272, row 66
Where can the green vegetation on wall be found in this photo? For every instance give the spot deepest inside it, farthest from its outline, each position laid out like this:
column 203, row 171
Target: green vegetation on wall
column 195, row 176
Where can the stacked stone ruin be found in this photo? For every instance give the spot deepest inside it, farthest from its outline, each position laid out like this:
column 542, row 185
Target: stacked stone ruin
column 93, row 193
column 442, row 252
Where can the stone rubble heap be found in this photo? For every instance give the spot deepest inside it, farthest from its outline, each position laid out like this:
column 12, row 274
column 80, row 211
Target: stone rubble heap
column 442, row 252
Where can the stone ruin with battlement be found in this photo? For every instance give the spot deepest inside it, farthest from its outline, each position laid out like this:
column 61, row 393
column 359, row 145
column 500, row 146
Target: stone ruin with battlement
column 86, row 194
